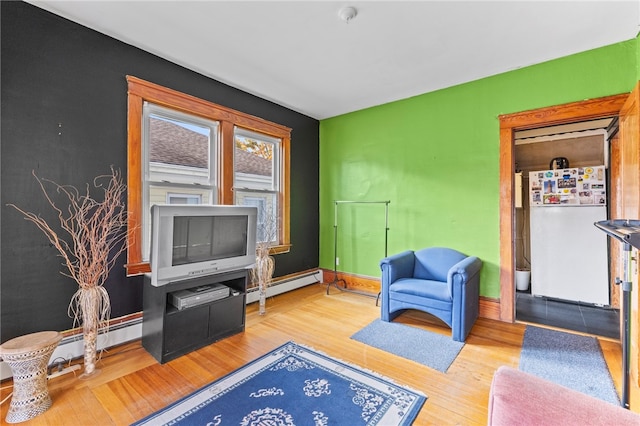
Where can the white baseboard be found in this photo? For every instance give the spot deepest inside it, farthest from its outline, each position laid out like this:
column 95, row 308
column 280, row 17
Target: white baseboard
column 72, row 347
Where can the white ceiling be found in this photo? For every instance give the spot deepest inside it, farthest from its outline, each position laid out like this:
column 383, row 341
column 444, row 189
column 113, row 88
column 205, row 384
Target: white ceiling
column 300, row 54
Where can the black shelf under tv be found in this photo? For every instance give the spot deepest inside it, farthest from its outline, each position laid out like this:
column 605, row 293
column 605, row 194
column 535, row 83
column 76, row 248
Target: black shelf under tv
column 169, row 332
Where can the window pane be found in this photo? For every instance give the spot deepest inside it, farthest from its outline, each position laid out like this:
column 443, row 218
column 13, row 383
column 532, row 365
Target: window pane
column 256, row 171
column 255, row 162
column 267, row 204
column 184, row 198
column 167, row 194
column 178, row 150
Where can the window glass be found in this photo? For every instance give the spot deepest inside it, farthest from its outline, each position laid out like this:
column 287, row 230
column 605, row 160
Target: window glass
column 256, row 182
column 184, row 198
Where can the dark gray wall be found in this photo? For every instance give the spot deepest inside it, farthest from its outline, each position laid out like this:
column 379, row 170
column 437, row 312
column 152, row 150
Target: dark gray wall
column 64, row 116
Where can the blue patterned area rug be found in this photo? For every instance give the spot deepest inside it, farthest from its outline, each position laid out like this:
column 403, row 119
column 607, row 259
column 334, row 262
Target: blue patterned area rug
column 571, row 360
column 295, row 385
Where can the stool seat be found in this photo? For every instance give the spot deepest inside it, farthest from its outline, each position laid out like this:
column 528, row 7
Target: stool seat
column 27, row 356
column 29, row 342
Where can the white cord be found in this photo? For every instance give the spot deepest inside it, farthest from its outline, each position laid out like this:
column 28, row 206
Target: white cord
column 8, row 396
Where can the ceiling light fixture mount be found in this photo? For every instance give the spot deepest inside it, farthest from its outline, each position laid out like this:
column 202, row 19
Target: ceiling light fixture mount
column 347, row 13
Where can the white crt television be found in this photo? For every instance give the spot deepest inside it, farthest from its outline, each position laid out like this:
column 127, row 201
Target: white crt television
column 189, row 241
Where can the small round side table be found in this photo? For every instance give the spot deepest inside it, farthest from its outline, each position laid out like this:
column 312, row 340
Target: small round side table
column 28, row 356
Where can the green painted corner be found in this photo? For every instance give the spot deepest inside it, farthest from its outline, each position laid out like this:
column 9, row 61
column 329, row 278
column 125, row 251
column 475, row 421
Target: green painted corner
column 638, row 56
column 435, row 157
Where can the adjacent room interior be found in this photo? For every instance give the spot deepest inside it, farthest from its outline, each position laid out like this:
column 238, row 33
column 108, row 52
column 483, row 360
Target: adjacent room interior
column 578, row 145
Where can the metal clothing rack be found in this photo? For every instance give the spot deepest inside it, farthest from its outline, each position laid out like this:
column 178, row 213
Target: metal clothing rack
column 335, row 246
column 628, row 233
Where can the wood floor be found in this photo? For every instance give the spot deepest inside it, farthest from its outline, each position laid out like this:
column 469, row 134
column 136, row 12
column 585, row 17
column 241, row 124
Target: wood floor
column 132, row 384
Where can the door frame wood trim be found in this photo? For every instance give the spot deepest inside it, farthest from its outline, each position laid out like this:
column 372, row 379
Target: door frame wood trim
column 509, row 123
column 629, row 199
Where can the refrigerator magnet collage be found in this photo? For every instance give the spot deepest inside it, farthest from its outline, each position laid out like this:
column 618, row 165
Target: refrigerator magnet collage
column 575, row 186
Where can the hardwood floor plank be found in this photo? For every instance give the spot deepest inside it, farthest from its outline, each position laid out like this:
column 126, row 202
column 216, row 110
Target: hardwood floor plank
column 132, row 384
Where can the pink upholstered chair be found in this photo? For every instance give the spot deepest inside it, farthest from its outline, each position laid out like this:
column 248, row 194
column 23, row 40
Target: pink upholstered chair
column 519, row 398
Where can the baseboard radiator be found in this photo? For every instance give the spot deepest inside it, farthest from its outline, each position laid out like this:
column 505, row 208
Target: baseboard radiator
column 71, row 347
column 286, row 284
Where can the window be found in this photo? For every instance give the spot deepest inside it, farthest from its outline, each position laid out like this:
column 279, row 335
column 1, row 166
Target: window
column 178, row 152
column 256, row 181
column 182, row 149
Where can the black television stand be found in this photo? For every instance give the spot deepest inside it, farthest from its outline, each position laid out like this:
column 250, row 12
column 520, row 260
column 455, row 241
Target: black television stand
column 169, row 332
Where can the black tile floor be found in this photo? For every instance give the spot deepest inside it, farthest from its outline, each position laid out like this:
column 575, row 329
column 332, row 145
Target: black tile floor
column 570, row 316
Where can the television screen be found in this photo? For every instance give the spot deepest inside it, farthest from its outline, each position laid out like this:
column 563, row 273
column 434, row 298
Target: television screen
column 203, row 238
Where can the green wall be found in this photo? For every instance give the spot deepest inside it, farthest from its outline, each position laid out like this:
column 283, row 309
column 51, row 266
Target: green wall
column 435, row 157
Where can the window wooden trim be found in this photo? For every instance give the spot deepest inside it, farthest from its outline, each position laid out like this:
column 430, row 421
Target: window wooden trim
column 140, row 91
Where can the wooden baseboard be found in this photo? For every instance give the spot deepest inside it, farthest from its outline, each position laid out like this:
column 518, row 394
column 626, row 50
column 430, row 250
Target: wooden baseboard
column 351, row 281
column 489, row 307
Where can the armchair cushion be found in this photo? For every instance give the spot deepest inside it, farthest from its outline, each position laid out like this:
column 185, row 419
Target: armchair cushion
column 434, row 263
column 422, row 288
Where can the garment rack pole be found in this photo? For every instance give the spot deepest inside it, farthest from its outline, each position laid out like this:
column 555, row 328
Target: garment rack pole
column 336, row 280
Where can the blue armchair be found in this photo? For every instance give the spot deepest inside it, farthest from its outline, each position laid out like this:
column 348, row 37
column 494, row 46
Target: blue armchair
column 436, row 280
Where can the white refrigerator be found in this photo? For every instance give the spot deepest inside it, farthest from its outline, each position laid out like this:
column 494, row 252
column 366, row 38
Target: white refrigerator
column 569, row 258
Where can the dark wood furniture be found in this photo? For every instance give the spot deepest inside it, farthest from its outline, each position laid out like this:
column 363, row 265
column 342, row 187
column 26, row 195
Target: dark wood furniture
column 168, row 333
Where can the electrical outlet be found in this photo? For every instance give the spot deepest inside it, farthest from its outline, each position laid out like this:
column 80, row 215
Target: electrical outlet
column 337, row 260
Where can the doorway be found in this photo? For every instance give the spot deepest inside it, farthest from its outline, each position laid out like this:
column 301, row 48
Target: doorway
column 624, row 194
column 510, row 124
column 558, row 282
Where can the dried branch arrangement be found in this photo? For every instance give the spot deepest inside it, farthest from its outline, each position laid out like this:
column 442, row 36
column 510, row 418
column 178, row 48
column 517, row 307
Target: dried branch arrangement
column 262, row 271
column 95, row 235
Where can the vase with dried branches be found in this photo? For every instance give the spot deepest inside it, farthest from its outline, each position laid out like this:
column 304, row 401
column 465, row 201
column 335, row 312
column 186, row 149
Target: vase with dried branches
column 262, row 274
column 90, row 237
column 262, row 271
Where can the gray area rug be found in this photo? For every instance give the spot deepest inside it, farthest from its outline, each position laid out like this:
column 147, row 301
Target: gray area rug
column 431, row 349
column 568, row 359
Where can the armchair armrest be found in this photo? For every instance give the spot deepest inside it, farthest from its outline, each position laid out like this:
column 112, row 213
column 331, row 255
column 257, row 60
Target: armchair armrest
column 397, row 266
column 463, row 272
column 463, row 282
